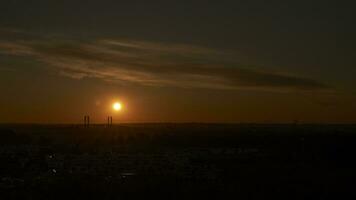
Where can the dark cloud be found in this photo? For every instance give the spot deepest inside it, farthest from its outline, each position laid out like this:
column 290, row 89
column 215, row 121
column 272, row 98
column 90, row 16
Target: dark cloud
column 151, row 64
column 6, row 69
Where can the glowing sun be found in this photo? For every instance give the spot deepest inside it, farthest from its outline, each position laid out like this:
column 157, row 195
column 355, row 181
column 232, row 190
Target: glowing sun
column 117, row 106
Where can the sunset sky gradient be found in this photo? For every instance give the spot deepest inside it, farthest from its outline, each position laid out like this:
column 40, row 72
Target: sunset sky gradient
column 178, row 61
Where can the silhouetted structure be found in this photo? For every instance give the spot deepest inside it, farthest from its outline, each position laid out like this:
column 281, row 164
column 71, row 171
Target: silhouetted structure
column 109, row 121
column 86, row 121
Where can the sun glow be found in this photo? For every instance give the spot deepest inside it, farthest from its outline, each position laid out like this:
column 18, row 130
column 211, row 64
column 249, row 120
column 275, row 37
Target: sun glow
column 117, row 106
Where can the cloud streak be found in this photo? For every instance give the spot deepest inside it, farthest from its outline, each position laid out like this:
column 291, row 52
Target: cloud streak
column 151, row 64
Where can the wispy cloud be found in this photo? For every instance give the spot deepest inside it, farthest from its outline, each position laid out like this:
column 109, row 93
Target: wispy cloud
column 6, row 69
column 150, row 64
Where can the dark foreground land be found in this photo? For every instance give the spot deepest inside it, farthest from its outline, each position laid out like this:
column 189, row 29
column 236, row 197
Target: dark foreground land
column 178, row 161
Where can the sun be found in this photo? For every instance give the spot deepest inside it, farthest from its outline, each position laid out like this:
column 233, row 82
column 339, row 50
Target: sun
column 117, row 106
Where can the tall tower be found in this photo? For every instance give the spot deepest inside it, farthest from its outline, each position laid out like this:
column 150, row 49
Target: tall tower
column 86, row 121
column 109, row 121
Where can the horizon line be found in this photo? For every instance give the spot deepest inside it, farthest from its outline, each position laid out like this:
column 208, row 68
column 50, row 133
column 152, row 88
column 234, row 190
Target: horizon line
column 182, row 123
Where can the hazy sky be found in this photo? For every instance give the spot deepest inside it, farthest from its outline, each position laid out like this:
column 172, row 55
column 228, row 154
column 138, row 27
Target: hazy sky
column 177, row 61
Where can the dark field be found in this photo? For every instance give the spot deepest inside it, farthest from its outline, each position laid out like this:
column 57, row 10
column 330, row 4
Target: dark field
column 178, row 161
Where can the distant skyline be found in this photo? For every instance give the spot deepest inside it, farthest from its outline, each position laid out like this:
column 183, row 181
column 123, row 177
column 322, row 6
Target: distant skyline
column 178, row 61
